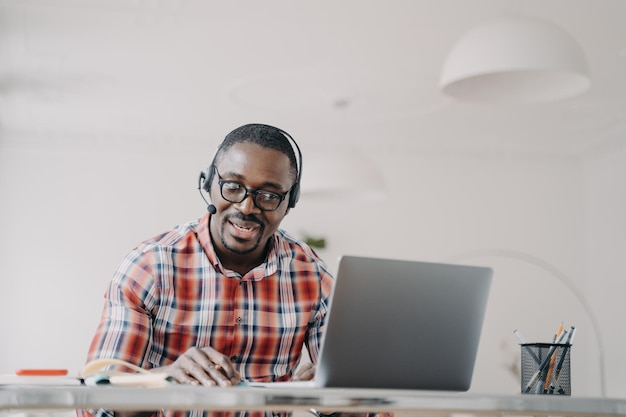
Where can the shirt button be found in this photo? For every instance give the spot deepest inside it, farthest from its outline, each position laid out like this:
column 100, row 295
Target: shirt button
column 239, row 320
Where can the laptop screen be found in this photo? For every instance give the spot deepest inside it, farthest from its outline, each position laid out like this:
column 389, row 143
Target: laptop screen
column 401, row 324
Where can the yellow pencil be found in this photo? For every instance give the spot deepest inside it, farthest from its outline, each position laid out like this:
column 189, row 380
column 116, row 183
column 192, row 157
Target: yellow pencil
column 546, row 386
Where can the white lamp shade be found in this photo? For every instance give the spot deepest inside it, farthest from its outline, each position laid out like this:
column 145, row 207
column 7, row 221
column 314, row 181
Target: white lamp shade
column 342, row 173
column 515, row 59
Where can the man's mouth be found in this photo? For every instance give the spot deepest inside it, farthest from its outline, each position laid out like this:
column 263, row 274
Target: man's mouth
column 244, row 230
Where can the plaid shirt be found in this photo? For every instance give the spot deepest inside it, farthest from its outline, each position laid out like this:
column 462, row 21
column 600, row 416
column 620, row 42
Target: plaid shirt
column 171, row 293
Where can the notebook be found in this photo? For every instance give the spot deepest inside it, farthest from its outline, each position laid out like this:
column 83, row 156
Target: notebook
column 398, row 324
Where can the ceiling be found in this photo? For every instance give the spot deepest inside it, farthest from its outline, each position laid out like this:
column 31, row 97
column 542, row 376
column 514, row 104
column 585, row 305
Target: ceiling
column 172, row 74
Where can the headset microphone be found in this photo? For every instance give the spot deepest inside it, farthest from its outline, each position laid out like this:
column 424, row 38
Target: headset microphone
column 202, row 184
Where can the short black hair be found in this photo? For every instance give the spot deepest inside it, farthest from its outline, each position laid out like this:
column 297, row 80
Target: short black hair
column 263, row 135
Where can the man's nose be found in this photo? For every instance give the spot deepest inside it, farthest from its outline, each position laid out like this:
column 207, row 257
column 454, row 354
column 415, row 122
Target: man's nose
column 247, row 206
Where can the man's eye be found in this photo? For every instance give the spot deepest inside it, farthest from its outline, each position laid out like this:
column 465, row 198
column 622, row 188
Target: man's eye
column 266, row 196
column 232, row 186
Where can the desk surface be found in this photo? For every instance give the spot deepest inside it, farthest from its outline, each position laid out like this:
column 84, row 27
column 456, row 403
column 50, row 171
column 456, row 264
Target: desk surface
column 246, row 398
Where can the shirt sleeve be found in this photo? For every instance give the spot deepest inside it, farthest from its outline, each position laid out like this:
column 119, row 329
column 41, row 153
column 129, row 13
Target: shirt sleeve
column 125, row 328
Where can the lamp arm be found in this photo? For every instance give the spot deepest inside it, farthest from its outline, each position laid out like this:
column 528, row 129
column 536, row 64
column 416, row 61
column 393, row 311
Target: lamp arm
column 541, row 264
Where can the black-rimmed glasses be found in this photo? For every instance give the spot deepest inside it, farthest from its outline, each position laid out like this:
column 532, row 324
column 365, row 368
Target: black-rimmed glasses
column 236, row 192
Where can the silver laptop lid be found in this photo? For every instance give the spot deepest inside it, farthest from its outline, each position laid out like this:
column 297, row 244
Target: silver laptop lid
column 403, row 325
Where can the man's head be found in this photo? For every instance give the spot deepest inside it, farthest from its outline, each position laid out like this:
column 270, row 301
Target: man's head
column 251, row 181
column 268, row 137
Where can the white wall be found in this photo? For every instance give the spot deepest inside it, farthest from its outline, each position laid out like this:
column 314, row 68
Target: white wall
column 605, row 246
column 521, row 215
column 68, row 215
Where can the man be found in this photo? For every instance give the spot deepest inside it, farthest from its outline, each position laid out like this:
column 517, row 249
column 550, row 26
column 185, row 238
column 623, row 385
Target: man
column 229, row 297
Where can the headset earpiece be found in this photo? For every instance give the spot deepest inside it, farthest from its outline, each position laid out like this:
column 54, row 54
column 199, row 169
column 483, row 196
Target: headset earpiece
column 206, row 179
column 294, row 195
column 204, row 183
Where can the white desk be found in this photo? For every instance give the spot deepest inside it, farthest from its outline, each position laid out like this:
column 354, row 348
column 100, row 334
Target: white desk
column 419, row 403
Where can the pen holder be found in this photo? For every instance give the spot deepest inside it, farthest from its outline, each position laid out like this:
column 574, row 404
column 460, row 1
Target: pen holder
column 545, row 368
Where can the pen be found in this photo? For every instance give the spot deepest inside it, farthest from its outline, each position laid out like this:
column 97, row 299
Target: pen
column 528, row 348
column 519, row 336
column 559, row 366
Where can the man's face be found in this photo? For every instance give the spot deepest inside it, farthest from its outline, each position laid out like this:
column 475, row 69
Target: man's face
column 243, row 229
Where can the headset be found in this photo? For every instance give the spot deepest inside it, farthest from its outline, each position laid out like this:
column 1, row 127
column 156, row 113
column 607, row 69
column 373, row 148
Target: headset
column 206, row 177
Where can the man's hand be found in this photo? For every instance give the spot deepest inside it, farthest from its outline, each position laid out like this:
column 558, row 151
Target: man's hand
column 305, row 372
column 203, row 366
column 197, row 366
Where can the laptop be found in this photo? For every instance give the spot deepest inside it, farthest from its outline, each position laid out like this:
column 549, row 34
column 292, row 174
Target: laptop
column 398, row 324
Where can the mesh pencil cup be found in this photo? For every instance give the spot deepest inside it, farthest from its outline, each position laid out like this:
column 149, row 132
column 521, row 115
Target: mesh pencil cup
column 545, row 368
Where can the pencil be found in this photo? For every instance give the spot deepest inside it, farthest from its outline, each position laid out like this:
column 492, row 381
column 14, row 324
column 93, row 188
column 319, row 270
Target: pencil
column 546, row 385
